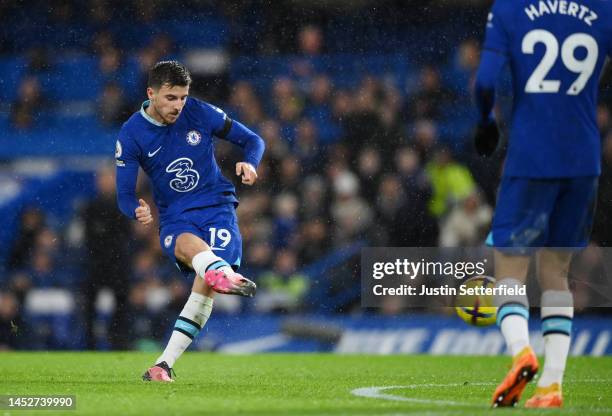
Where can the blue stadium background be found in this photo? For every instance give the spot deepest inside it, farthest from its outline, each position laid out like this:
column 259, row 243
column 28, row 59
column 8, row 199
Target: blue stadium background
column 366, row 111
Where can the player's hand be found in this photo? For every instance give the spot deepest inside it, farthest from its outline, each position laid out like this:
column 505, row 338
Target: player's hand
column 143, row 213
column 486, row 138
column 248, row 172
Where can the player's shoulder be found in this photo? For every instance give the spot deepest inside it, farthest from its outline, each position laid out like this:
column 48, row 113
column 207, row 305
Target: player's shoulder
column 203, row 106
column 506, row 7
column 131, row 125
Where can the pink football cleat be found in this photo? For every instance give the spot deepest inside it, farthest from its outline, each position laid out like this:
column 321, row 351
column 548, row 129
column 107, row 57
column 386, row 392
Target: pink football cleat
column 159, row 372
column 230, row 284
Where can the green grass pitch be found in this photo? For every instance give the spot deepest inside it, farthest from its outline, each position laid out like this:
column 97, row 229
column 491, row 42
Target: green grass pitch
column 292, row 384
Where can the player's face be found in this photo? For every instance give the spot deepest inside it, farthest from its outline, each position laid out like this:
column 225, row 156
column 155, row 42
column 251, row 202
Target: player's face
column 168, row 102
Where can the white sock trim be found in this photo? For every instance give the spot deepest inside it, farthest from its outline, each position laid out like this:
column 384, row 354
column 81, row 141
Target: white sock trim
column 204, row 259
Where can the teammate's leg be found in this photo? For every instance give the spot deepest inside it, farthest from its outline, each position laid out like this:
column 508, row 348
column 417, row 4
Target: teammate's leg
column 557, row 313
column 513, row 311
column 520, row 226
column 512, row 318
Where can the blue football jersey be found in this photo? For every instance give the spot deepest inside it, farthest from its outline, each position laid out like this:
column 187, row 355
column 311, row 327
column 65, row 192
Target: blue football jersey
column 556, row 50
column 178, row 158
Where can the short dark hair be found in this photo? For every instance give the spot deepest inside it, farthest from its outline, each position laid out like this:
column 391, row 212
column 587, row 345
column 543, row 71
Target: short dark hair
column 172, row 73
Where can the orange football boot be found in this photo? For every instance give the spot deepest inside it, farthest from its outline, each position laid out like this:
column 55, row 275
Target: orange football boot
column 524, row 367
column 546, row 397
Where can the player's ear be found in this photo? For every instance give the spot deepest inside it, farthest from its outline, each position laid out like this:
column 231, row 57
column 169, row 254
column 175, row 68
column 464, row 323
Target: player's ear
column 150, row 93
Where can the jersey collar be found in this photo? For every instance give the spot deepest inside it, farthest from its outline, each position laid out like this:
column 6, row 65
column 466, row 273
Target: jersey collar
column 147, row 117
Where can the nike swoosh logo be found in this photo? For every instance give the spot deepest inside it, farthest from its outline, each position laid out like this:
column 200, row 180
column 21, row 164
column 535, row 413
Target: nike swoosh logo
column 151, row 154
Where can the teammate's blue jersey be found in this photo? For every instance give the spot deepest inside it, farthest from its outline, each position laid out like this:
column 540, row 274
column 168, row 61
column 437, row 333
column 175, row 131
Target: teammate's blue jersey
column 179, row 158
column 556, row 50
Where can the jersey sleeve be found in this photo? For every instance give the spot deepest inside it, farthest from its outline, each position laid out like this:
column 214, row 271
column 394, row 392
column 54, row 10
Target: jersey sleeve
column 234, row 132
column 491, row 65
column 127, row 161
column 496, row 36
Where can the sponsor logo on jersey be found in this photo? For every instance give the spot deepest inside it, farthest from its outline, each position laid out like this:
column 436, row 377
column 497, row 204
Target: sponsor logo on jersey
column 194, row 137
column 185, row 178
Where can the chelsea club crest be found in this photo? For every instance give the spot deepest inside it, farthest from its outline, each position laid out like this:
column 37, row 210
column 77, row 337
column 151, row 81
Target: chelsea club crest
column 194, row 137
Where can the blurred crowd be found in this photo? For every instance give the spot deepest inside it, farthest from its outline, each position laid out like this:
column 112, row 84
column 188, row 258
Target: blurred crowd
column 342, row 165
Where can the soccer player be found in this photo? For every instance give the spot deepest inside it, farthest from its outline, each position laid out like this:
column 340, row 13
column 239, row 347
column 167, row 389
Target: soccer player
column 171, row 138
column 556, row 50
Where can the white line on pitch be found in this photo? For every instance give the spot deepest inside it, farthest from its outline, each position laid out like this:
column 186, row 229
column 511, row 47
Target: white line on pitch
column 377, row 393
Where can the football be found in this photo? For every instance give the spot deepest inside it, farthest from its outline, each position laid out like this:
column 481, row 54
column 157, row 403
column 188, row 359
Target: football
column 476, row 309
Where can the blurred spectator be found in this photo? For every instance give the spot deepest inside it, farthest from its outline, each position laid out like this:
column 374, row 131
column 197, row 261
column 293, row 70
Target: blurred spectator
column 425, row 138
column 306, row 147
column 246, row 104
column 290, row 175
column 362, row 125
column 604, row 119
column 369, row 169
column 112, row 108
column 282, row 289
column 314, row 198
column 389, row 202
column 311, row 40
column 12, row 327
column 430, row 97
column 102, row 41
column 310, row 45
column 415, row 227
column 351, row 215
column 109, row 63
column 467, row 223
column 314, row 242
column 319, row 109
column 141, row 320
column 107, row 262
column 468, row 56
column 276, row 147
column 31, row 224
column 29, row 102
column 285, row 220
column 451, row 182
column 288, row 106
column 38, row 61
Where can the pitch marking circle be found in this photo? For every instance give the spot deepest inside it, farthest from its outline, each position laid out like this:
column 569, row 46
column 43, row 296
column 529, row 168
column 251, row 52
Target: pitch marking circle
column 380, row 393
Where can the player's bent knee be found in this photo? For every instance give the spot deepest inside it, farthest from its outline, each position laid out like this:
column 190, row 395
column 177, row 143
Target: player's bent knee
column 187, row 246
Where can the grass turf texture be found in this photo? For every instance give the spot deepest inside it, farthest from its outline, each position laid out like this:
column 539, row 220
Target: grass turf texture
column 278, row 384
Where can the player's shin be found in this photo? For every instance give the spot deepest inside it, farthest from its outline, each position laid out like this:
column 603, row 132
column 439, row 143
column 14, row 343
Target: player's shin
column 512, row 317
column 191, row 320
column 557, row 314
